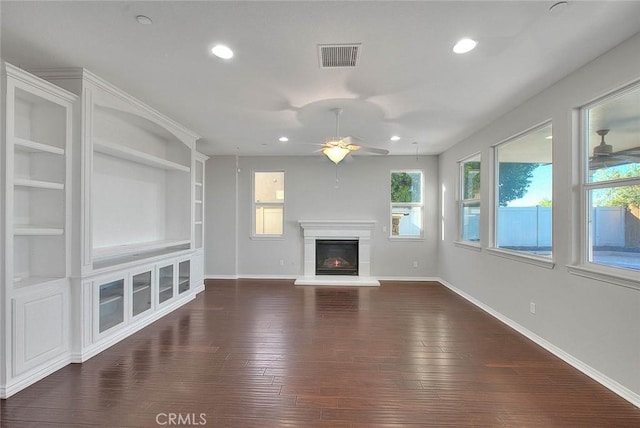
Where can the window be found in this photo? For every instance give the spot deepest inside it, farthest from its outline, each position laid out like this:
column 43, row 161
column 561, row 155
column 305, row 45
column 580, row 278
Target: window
column 611, row 190
column 268, row 201
column 470, row 199
column 524, row 190
column 406, row 204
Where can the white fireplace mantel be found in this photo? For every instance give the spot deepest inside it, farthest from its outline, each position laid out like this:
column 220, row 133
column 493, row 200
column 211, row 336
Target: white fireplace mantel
column 360, row 230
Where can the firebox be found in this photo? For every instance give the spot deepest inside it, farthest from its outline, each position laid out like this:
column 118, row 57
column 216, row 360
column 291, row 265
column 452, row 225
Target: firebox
column 336, row 257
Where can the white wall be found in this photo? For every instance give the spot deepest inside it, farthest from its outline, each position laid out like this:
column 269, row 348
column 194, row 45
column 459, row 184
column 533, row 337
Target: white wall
column 310, row 194
column 595, row 322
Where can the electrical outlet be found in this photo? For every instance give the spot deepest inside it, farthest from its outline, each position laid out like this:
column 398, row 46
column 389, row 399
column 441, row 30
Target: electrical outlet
column 415, row 264
column 532, row 307
column 384, row 229
column 281, row 262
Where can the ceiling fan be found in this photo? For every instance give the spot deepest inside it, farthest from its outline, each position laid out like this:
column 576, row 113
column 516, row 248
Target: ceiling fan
column 338, row 148
column 604, row 156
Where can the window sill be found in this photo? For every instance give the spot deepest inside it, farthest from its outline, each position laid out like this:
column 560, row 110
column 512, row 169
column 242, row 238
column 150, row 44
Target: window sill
column 524, row 258
column 406, row 238
column 469, row 245
column 614, row 276
column 267, row 238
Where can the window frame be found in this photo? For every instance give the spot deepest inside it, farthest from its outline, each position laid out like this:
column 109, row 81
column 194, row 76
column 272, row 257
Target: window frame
column 493, row 249
column 255, row 205
column 583, row 266
column 463, row 202
column 410, row 205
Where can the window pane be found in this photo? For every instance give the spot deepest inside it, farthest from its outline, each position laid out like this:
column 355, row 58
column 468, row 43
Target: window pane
column 525, row 193
column 471, row 178
column 269, row 220
column 471, row 221
column 406, row 221
column 615, row 226
column 613, row 138
column 406, row 186
column 269, row 187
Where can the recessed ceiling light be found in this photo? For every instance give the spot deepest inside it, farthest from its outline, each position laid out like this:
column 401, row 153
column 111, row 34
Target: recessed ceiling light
column 464, row 45
column 394, row 138
column 222, row 51
column 283, row 139
column 144, row 20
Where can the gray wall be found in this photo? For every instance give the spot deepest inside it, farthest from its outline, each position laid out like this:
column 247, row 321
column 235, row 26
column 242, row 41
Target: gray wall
column 220, row 216
column 310, row 194
column 596, row 322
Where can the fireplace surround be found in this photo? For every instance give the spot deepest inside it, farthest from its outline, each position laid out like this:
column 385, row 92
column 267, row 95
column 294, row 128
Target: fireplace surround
column 354, row 230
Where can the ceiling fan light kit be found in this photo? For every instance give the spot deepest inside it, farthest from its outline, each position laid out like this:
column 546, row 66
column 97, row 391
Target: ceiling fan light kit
column 338, row 148
column 336, row 153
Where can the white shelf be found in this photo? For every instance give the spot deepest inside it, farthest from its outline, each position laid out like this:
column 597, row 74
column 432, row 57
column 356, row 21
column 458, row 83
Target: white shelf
column 139, row 289
column 27, row 182
column 33, row 147
column 140, row 247
column 124, row 152
column 165, row 288
column 111, row 299
column 30, row 230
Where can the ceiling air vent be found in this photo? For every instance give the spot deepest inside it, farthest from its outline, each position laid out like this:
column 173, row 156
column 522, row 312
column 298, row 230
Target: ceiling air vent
column 344, row 55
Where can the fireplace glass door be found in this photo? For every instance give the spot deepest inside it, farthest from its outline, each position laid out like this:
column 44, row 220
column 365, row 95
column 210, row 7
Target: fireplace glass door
column 336, row 257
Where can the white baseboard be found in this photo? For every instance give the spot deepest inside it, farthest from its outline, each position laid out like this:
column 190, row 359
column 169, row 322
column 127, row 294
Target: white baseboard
column 381, row 278
column 221, row 277
column 32, row 376
column 594, row 374
column 409, row 278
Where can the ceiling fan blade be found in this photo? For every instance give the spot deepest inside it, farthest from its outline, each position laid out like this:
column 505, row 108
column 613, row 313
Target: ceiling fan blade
column 374, row 150
column 350, row 140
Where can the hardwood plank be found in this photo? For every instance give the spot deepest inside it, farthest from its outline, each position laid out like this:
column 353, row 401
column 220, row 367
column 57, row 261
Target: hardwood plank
column 264, row 353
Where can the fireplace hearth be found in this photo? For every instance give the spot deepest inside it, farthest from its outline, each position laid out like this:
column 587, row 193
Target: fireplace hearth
column 336, row 257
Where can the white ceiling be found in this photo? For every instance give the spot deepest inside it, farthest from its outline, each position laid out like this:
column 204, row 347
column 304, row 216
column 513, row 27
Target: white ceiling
column 408, row 81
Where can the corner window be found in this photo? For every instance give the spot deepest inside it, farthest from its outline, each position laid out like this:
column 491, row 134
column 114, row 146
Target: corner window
column 611, row 185
column 470, row 199
column 268, row 203
column 406, row 204
column 524, row 170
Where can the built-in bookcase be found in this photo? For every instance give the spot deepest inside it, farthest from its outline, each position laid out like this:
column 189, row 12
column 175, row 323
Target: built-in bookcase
column 38, row 125
column 103, row 220
column 142, row 174
column 37, row 147
column 198, row 208
column 36, row 231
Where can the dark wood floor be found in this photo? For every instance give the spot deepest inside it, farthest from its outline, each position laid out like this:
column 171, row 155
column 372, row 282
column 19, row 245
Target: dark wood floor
column 268, row 354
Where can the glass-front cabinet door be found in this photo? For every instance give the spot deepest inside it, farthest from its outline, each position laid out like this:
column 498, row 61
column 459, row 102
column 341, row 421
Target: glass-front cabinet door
column 165, row 283
column 141, row 292
column 184, row 277
column 111, row 304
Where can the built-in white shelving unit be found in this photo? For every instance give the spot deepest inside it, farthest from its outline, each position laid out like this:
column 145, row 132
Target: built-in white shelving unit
column 36, row 163
column 197, row 267
column 103, row 219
